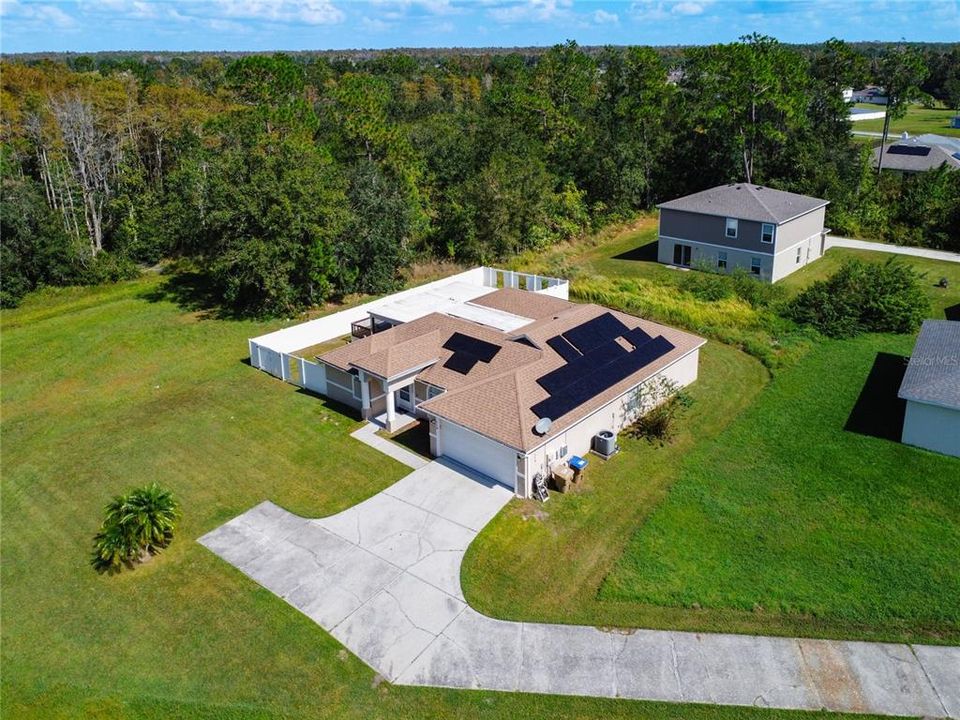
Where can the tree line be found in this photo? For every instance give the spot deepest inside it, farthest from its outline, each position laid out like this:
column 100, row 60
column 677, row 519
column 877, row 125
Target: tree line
column 290, row 180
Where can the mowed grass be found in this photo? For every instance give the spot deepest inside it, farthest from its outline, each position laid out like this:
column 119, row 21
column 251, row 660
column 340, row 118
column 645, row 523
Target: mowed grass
column 870, row 539
column 918, row 120
column 546, row 562
column 794, row 512
column 107, row 388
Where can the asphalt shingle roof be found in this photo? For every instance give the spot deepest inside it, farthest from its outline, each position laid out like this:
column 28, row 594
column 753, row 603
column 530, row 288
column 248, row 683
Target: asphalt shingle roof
column 747, row 202
column 933, row 373
column 938, row 155
column 496, row 399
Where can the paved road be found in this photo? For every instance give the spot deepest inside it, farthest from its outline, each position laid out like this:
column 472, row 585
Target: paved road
column 383, row 577
column 895, row 249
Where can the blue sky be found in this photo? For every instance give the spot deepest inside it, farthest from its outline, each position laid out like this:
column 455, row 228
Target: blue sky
column 89, row 25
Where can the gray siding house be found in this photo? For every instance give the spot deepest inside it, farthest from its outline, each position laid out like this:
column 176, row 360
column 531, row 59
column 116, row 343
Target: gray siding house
column 767, row 232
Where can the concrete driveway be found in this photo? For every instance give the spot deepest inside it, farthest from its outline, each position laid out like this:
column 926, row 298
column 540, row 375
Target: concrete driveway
column 383, row 577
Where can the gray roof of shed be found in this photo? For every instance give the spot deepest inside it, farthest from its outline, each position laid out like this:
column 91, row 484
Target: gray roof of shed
column 933, row 373
column 747, row 202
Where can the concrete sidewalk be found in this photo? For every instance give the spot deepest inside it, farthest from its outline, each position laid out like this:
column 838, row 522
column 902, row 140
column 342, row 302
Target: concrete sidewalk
column 843, row 242
column 368, row 435
column 383, row 577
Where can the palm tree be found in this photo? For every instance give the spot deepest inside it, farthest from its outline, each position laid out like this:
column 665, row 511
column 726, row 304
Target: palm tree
column 151, row 513
column 135, row 524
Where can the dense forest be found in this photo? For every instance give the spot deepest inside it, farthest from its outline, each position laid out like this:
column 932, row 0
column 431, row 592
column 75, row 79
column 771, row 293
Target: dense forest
column 291, row 179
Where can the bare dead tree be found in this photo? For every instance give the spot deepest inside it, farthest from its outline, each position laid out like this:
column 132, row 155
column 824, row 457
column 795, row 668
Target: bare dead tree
column 92, row 155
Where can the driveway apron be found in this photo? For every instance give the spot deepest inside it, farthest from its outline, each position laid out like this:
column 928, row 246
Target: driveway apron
column 383, row 577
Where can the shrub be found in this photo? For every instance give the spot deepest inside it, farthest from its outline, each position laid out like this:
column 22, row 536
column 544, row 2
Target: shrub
column 864, row 297
column 707, row 285
column 665, row 400
column 135, row 525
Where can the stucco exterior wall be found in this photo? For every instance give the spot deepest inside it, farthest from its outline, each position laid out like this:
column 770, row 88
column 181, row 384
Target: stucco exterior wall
column 577, row 440
column 932, row 427
column 340, row 387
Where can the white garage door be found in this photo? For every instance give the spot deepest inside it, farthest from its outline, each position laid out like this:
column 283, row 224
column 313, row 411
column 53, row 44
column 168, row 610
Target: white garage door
column 485, row 456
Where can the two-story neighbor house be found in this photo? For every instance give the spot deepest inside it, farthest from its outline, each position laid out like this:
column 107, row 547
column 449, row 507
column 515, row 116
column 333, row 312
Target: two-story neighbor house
column 767, row 232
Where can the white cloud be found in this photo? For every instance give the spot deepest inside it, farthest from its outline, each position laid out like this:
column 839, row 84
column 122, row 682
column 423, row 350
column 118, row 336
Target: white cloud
column 662, row 9
column 602, row 17
column 531, row 11
column 688, row 8
column 36, row 14
column 375, row 24
column 310, row 12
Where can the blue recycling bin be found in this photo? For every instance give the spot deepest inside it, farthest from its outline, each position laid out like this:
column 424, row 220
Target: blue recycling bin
column 577, row 463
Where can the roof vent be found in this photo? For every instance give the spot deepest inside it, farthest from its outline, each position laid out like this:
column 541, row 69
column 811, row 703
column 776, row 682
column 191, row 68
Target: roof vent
column 543, row 426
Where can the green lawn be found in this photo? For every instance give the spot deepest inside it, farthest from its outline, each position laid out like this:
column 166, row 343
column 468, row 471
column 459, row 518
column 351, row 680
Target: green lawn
column 918, row 121
column 796, row 510
column 104, row 388
column 816, row 530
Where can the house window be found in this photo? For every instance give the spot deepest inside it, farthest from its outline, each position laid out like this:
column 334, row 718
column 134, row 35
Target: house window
column 432, row 392
column 732, row 225
column 755, row 265
column 357, row 392
column 405, row 394
column 798, row 256
column 766, row 232
column 722, row 260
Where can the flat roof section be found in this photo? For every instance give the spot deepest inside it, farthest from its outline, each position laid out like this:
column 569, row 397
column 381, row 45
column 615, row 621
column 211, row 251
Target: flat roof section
column 453, row 299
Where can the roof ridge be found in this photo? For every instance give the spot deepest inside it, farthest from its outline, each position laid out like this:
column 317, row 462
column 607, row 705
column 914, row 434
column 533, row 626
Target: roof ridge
column 753, row 194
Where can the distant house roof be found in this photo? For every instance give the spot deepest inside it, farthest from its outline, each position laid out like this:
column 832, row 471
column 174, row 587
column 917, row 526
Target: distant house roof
column 911, row 155
column 747, row 202
column 943, row 140
column 933, row 373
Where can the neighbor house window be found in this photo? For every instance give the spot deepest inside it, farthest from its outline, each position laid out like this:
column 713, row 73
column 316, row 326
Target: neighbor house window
column 432, row 392
column 766, row 233
column 798, row 256
column 722, row 260
column 732, row 225
column 755, row 265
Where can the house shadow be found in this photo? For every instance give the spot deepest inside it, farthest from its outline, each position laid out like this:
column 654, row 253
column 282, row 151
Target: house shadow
column 952, row 312
column 415, row 438
column 644, row 253
column 878, row 411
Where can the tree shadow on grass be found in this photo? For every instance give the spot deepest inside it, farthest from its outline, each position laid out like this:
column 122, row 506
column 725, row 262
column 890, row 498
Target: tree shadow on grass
column 191, row 291
column 952, row 312
column 878, row 411
column 644, row 253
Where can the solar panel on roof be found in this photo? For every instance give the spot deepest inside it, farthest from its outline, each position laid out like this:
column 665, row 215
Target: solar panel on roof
column 480, row 349
column 917, row 150
column 461, row 362
column 594, row 332
column 589, row 385
column 637, row 337
column 563, row 348
column 567, row 374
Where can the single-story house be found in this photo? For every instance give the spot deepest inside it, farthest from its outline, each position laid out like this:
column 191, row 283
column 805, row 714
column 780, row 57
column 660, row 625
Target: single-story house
column 526, row 381
column 931, row 388
column 770, row 233
column 912, row 155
